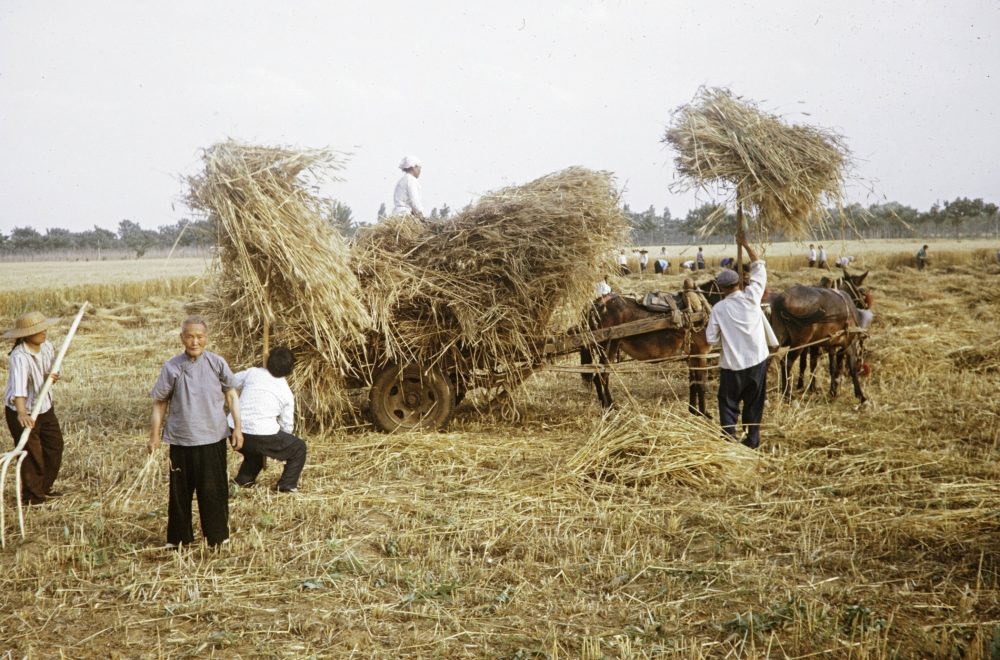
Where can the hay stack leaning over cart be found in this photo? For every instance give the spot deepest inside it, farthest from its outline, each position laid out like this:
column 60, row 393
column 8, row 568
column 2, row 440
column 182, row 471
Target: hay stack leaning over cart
column 470, row 297
column 282, row 274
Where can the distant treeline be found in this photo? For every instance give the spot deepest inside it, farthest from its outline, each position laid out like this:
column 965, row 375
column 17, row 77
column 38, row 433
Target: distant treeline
column 961, row 217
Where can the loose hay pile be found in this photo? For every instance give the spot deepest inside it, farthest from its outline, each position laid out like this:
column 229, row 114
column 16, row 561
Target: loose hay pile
column 480, row 289
column 280, row 264
column 783, row 175
column 632, row 449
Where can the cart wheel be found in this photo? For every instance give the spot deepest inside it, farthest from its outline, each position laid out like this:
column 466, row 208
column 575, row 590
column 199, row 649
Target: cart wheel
column 405, row 399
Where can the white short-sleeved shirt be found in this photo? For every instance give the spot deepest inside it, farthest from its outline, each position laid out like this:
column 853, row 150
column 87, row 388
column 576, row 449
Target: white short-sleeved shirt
column 406, row 199
column 266, row 403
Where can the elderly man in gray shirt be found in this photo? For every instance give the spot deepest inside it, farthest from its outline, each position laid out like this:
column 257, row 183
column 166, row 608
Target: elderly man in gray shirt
column 191, row 394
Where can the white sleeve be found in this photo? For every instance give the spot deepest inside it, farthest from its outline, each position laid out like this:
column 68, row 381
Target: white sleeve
column 758, row 281
column 413, row 191
column 712, row 329
column 286, row 418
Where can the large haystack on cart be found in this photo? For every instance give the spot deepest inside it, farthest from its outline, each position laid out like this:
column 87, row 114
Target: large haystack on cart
column 419, row 312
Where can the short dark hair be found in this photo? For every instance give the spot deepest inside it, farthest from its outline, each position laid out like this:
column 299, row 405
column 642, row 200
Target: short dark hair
column 280, row 361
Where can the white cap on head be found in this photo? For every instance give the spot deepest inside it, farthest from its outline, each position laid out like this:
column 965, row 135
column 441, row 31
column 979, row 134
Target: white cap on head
column 408, row 162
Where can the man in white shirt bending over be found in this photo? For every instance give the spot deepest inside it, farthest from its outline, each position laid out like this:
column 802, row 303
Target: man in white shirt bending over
column 738, row 323
column 267, row 410
column 406, row 199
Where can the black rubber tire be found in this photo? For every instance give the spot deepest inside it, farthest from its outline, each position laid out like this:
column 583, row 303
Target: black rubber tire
column 409, row 399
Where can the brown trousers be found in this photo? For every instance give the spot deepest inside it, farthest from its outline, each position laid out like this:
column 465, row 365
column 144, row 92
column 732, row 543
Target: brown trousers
column 45, row 450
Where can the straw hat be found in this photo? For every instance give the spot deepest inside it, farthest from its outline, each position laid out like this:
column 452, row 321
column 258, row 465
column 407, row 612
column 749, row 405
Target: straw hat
column 30, row 324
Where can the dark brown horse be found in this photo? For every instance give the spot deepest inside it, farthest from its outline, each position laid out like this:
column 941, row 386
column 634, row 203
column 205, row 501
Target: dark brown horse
column 853, row 285
column 803, row 315
column 615, row 310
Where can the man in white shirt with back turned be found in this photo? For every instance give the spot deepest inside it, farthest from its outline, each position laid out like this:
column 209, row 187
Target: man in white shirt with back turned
column 406, row 199
column 267, row 409
column 738, row 323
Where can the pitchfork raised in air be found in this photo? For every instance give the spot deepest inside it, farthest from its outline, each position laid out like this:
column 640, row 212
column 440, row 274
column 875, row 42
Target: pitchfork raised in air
column 19, row 452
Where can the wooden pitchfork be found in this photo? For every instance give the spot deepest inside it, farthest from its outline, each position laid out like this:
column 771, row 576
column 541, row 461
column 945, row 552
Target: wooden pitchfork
column 19, row 452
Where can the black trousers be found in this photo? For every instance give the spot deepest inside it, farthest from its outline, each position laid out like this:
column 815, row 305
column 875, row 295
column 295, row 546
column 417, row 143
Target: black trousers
column 749, row 387
column 281, row 447
column 198, row 471
column 45, row 451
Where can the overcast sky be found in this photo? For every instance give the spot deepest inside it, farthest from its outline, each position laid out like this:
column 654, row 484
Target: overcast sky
column 104, row 105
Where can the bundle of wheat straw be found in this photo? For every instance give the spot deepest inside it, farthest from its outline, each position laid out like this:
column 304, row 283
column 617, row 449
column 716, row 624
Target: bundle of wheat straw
column 281, row 264
column 635, row 450
column 481, row 288
column 784, row 176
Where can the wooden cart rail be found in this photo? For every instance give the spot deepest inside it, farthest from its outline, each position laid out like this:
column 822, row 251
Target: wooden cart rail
column 567, row 343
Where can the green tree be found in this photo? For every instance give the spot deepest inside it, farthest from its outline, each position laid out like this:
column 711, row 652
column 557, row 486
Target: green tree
column 24, row 239
column 445, row 212
column 341, row 217
column 135, row 237
column 381, row 211
column 709, row 220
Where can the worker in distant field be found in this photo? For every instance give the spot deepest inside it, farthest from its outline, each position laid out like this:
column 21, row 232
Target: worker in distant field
column 821, row 257
column 267, row 408
column 29, row 364
column 660, row 266
column 623, row 263
column 812, row 256
column 643, row 260
column 699, row 259
column 406, row 199
column 921, row 258
column 739, row 324
column 190, row 395
column 602, row 289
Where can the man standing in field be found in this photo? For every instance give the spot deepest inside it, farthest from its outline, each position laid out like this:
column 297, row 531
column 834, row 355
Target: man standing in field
column 822, row 257
column 699, row 259
column 737, row 322
column 190, row 394
column 812, row 255
column 267, row 408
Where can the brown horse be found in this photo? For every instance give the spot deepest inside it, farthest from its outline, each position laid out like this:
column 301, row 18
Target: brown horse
column 853, row 285
column 806, row 314
column 615, row 310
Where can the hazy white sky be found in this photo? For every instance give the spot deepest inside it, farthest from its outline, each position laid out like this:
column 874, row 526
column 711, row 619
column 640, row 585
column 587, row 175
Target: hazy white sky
column 104, row 105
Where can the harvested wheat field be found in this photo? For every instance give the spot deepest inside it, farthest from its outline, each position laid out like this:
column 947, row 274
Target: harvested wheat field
column 852, row 533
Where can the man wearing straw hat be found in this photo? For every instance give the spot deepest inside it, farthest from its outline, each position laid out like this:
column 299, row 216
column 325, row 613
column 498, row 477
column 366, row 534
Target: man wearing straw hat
column 738, row 323
column 189, row 396
column 29, row 364
column 406, row 199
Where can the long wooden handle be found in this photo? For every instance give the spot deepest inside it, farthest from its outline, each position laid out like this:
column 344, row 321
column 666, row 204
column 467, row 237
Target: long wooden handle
column 40, row 396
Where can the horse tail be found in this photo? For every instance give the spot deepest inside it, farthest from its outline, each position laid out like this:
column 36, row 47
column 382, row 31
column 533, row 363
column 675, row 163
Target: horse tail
column 586, row 357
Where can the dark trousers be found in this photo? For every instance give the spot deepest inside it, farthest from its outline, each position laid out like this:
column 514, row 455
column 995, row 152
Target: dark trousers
column 198, row 471
column 45, row 450
column 749, row 387
column 281, row 447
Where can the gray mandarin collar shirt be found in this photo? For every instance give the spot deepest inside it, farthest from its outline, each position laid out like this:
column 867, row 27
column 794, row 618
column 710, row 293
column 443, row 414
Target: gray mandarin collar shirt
column 196, row 391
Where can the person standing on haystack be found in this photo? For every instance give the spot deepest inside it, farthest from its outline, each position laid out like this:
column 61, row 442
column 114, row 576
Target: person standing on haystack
column 190, row 395
column 267, row 408
column 29, row 363
column 406, row 199
column 738, row 323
